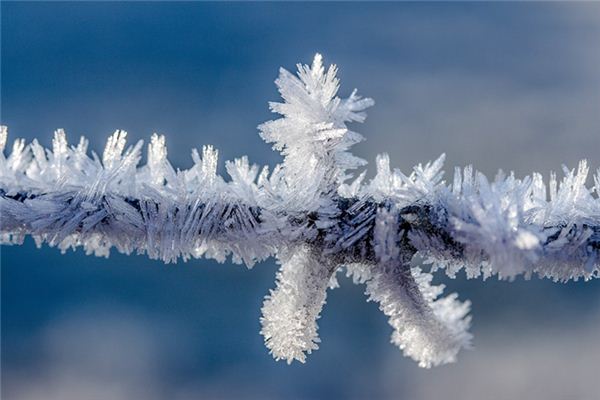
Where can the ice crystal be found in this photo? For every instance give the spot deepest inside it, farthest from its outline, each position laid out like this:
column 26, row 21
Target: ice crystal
column 290, row 312
column 306, row 214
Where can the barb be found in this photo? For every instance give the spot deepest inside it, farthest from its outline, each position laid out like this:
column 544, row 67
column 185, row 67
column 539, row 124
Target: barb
column 307, row 215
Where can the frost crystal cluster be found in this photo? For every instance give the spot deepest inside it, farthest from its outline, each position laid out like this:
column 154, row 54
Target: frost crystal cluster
column 307, row 214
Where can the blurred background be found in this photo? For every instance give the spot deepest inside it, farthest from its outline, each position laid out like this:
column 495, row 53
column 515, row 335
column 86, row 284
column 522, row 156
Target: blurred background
column 501, row 86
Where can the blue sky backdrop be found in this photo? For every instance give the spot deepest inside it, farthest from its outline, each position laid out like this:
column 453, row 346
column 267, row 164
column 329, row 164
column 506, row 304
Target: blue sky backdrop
column 502, row 86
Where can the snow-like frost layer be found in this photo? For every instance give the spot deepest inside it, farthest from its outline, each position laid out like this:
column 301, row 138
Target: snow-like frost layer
column 307, row 214
column 290, row 312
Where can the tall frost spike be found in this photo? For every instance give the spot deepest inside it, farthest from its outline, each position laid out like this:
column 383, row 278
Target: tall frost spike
column 312, row 134
column 305, row 214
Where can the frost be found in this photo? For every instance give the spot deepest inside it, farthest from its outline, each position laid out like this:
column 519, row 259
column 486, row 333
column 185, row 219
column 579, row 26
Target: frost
column 290, row 312
column 427, row 329
column 308, row 214
column 312, row 134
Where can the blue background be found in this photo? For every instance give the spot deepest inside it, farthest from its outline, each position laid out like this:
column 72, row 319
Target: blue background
column 511, row 86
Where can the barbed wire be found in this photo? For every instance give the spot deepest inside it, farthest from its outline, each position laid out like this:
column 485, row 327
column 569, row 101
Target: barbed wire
column 309, row 215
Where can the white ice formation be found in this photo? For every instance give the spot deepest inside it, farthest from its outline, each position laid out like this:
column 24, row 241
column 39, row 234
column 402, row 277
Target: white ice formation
column 305, row 213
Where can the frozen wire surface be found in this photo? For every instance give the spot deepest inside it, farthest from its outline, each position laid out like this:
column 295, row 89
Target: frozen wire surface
column 308, row 214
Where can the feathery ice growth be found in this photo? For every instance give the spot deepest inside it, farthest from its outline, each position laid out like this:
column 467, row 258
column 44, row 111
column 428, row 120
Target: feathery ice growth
column 309, row 215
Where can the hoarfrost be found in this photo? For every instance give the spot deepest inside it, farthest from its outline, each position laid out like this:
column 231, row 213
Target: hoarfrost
column 307, row 214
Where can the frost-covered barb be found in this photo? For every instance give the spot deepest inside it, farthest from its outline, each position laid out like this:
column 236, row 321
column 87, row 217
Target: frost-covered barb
column 306, row 214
